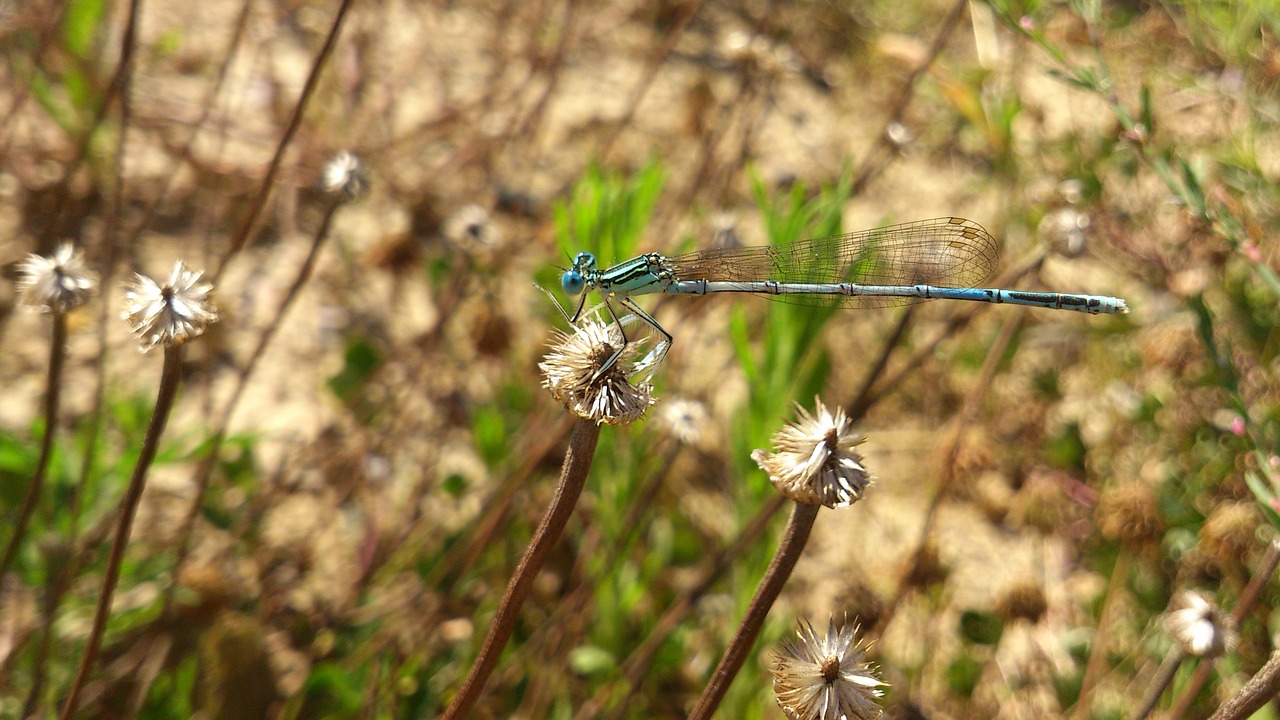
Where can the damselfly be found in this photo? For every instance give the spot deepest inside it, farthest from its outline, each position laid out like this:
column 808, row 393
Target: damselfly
column 943, row 258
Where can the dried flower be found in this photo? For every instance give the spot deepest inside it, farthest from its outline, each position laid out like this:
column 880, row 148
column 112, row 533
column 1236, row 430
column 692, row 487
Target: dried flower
column 724, row 231
column 169, row 314
column 577, row 377
column 684, row 420
column 826, row 678
column 1199, row 627
column 58, row 283
column 815, row 462
column 1129, row 513
column 345, row 173
column 1064, row 231
column 1023, row 601
column 471, row 225
column 1230, row 533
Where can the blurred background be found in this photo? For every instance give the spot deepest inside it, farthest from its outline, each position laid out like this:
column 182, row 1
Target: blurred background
column 328, row 529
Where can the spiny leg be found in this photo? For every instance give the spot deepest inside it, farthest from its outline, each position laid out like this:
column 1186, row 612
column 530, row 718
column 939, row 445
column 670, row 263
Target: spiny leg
column 613, row 359
column 640, row 313
column 564, row 313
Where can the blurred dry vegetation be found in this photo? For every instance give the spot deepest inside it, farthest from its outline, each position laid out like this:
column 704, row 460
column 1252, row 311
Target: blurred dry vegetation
column 1045, row 481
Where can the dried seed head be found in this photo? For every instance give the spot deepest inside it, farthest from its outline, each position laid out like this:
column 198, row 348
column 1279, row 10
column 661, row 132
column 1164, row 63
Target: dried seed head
column 826, row 678
column 684, row 419
column 1200, row 627
column 346, row 174
column 925, row 568
column 1064, row 230
column 1230, row 533
column 815, row 462
column 1129, row 514
column 1023, row 601
column 576, row 374
column 58, row 283
column 471, row 227
column 169, row 314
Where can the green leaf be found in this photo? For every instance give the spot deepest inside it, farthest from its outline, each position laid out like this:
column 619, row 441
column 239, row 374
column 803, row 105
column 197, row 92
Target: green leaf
column 592, row 660
column 981, row 628
column 358, row 364
column 1192, row 190
column 80, row 26
column 489, row 429
column 1266, row 496
column 963, row 675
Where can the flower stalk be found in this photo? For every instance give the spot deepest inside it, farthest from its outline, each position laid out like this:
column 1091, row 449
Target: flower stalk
column 814, row 464
column 784, row 562
column 573, row 477
column 57, row 357
column 56, row 284
column 169, row 379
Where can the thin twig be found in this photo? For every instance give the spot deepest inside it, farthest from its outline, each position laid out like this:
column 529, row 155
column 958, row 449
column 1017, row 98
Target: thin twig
column 573, row 477
column 241, row 237
column 862, row 400
column 204, row 470
column 57, row 355
column 195, row 128
column 652, row 64
column 1096, row 663
column 881, row 153
column 948, row 454
column 784, row 561
column 1164, row 675
column 577, row 604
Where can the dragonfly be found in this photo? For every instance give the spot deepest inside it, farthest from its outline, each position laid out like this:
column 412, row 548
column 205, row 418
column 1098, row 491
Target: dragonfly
column 940, row 259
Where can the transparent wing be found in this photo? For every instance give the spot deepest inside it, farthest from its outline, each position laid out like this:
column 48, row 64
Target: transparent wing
column 946, row 252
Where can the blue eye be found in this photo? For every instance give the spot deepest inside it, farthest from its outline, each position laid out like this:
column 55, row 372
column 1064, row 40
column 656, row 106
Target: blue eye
column 572, row 282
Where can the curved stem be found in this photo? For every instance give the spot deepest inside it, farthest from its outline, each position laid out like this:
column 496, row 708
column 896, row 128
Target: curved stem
column 784, row 561
column 169, row 379
column 573, row 476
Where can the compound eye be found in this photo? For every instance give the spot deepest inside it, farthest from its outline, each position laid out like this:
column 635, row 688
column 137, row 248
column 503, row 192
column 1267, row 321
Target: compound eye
column 572, row 282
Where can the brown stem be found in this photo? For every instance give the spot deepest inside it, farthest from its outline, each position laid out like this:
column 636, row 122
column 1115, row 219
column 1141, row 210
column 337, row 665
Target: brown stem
column 169, row 379
column 576, row 604
column 194, row 129
column 573, row 476
column 784, row 561
column 652, row 64
column 57, row 354
column 862, row 400
column 636, row 667
column 949, row 452
column 119, row 82
column 1164, row 675
column 1261, row 689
